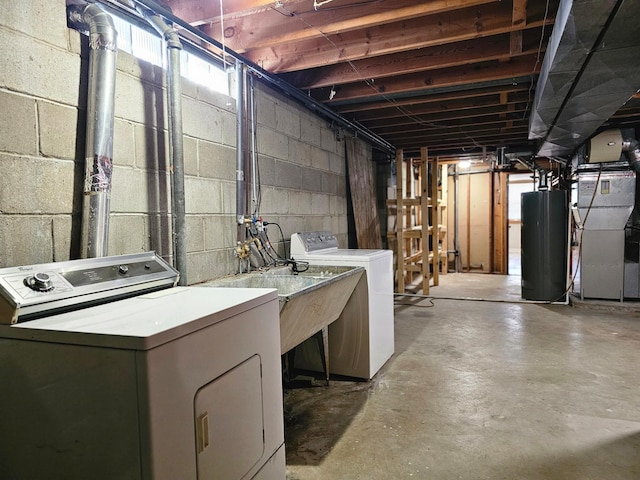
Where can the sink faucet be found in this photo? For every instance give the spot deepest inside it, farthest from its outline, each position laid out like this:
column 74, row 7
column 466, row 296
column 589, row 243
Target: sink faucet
column 243, row 252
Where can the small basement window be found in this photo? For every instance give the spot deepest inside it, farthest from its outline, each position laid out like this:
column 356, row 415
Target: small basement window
column 204, row 73
column 149, row 47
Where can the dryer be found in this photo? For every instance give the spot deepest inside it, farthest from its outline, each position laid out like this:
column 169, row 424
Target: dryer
column 182, row 382
column 362, row 339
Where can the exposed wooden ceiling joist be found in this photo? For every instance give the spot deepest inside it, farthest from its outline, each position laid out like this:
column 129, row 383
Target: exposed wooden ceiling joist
column 442, row 122
column 199, row 12
column 465, row 143
column 445, row 74
column 443, row 98
column 398, row 36
column 284, row 25
column 465, row 124
column 462, row 107
column 495, row 47
column 446, row 77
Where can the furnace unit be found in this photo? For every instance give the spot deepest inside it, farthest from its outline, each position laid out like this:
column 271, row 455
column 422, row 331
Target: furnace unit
column 606, row 199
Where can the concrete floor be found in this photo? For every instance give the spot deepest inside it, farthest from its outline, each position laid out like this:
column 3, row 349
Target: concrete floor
column 480, row 390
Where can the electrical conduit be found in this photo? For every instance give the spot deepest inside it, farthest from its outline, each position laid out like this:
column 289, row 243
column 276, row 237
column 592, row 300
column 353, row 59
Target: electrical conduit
column 240, row 146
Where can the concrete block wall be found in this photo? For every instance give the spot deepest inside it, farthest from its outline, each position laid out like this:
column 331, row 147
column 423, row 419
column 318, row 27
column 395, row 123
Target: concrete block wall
column 302, row 168
column 43, row 68
column 39, row 78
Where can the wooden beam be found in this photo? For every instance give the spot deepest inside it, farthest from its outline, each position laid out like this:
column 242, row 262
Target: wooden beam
column 460, row 106
column 434, row 224
column 465, row 75
column 465, row 141
column 519, row 15
column 465, row 24
column 510, row 110
column 398, row 136
column 283, row 25
column 198, row 12
column 462, row 138
column 455, row 125
column 399, row 221
column 426, row 228
column 435, row 98
column 518, row 19
column 500, row 251
column 494, row 47
column 454, row 134
column 434, row 120
column 515, row 43
column 504, row 99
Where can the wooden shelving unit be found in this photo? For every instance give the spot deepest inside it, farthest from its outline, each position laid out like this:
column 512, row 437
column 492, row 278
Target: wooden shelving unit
column 413, row 238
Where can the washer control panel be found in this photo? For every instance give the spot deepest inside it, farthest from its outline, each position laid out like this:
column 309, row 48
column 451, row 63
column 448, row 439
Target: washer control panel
column 313, row 241
column 37, row 290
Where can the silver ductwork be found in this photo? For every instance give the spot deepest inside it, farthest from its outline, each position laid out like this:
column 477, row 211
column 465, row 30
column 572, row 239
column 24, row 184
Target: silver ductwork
column 573, row 36
column 176, row 144
column 588, row 73
column 632, row 148
column 99, row 137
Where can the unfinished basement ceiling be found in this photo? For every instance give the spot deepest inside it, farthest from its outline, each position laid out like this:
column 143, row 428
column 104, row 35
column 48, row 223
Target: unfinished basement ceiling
column 457, row 76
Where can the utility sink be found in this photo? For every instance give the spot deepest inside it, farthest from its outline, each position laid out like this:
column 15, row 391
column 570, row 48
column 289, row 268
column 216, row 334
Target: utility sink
column 314, row 271
column 309, row 300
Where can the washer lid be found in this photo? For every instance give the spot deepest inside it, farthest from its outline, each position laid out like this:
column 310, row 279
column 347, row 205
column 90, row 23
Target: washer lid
column 345, row 255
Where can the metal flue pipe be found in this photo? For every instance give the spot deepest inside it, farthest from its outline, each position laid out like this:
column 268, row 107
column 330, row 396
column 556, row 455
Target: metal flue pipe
column 631, row 147
column 176, row 145
column 99, row 137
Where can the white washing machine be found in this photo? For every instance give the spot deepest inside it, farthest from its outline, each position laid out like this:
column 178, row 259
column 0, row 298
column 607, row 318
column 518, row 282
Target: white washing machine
column 170, row 384
column 362, row 339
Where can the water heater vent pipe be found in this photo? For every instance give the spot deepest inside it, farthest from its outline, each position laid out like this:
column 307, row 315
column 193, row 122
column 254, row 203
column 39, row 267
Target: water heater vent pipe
column 100, row 118
column 631, row 148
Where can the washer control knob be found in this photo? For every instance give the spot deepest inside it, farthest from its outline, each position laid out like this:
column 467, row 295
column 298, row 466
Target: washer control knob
column 123, row 269
column 40, row 282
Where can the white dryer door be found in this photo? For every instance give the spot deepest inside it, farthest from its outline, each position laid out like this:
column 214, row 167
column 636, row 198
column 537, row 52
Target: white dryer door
column 229, row 423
